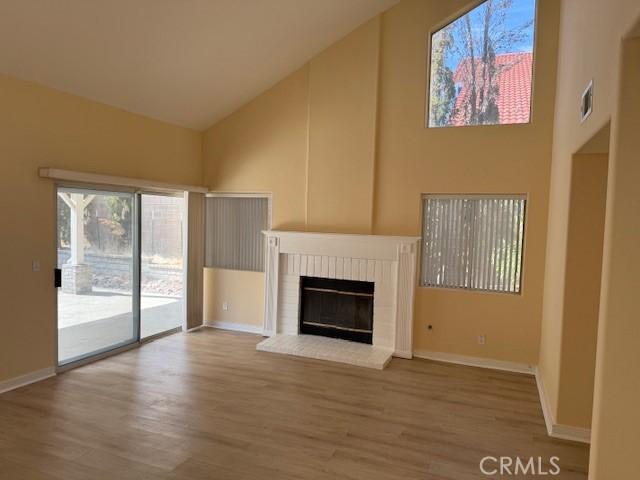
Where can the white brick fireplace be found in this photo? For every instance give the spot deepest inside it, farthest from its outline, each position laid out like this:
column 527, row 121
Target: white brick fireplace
column 387, row 261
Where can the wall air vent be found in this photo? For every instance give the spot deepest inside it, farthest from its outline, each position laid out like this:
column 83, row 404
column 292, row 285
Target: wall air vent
column 586, row 105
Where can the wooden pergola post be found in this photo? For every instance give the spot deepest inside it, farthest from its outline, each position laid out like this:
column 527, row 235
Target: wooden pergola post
column 76, row 275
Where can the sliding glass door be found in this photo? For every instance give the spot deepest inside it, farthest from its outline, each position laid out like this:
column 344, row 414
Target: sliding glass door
column 120, row 269
column 161, row 281
column 97, row 295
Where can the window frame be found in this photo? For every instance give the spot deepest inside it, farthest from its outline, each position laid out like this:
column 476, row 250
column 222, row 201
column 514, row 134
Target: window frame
column 266, row 195
column 448, row 21
column 423, row 202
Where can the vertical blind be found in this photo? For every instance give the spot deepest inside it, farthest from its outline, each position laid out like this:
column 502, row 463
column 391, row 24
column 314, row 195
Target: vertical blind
column 234, row 237
column 473, row 242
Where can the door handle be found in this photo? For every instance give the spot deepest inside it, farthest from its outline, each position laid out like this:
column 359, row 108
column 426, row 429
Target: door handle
column 57, row 278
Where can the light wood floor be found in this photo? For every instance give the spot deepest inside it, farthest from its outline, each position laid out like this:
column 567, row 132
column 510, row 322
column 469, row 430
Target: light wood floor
column 206, row 405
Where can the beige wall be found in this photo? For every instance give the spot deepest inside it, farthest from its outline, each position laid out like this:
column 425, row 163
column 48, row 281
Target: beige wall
column 355, row 117
column 231, row 286
column 579, row 20
column 616, row 419
column 504, row 159
column 42, row 127
column 263, row 148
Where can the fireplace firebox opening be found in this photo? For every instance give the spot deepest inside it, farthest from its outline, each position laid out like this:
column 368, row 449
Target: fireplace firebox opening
column 337, row 308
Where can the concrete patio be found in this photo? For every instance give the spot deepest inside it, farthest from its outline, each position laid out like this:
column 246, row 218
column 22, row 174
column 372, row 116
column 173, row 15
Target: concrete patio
column 103, row 319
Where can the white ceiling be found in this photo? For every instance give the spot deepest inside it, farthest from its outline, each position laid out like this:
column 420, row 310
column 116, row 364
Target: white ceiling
column 187, row 62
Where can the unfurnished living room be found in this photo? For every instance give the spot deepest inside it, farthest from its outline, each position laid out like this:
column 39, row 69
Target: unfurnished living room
column 319, row 239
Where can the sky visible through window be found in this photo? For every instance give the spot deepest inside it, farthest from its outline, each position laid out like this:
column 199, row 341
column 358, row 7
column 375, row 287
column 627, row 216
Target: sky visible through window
column 481, row 66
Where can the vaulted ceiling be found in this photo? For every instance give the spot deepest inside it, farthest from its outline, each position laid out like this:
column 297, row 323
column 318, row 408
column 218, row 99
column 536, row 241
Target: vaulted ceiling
column 187, row 62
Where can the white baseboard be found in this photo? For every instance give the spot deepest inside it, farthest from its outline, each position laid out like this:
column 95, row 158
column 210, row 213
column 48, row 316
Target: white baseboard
column 23, row 380
column 567, row 432
column 235, row 327
column 476, row 361
column 195, row 329
column 544, row 402
column 408, row 354
column 556, row 430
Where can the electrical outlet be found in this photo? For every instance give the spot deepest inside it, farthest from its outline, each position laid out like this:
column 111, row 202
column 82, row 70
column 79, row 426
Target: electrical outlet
column 225, row 306
column 35, row 265
column 482, row 339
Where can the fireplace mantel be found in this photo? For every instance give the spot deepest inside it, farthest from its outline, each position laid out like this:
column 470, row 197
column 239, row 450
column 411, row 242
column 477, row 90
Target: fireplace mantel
column 388, row 261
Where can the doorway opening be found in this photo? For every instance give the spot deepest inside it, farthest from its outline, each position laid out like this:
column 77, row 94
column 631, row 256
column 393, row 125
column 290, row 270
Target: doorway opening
column 585, row 241
column 120, row 270
column 162, row 265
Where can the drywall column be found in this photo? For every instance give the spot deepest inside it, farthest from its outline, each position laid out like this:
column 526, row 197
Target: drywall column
column 195, row 259
column 343, row 100
column 616, row 419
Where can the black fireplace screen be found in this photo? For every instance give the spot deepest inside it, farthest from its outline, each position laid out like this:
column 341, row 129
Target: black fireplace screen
column 337, row 308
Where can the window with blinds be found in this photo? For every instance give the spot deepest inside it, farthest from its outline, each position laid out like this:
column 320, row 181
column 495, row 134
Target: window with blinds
column 473, row 242
column 233, row 232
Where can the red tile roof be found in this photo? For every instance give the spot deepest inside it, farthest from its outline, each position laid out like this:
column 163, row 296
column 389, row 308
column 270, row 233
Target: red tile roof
column 514, row 88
